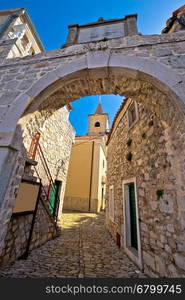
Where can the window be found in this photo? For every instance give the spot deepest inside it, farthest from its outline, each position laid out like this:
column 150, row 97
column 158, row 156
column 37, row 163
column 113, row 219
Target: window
column 97, row 124
column 132, row 114
column 111, row 203
column 103, row 164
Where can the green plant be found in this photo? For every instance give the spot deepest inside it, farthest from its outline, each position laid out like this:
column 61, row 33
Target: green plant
column 159, row 193
column 129, row 156
column 129, row 142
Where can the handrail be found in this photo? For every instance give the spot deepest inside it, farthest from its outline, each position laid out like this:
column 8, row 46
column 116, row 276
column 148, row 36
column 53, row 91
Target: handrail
column 47, row 196
column 35, row 148
column 39, row 198
column 40, row 180
column 34, row 145
column 45, row 169
column 40, row 151
column 49, row 214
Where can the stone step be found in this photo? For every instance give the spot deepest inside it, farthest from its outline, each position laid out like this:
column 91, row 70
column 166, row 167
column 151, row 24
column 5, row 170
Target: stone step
column 29, row 178
column 28, row 170
column 31, row 162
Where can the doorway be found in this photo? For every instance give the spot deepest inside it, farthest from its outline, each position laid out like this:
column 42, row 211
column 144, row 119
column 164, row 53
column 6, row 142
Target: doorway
column 131, row 232
column 132, row 215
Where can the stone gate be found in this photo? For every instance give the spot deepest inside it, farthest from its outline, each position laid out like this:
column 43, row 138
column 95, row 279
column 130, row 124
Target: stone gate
column 148, row 68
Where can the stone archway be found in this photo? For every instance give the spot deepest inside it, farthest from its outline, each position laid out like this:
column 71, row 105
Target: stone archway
column 105, row 73
column 56, row 78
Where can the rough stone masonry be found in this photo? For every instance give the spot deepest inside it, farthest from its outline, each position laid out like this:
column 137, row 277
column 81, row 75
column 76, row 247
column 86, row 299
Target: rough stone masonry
column 149, row 69
column 154, row 166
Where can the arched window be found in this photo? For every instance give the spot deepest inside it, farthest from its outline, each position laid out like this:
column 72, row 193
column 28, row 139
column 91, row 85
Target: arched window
column 97, row 124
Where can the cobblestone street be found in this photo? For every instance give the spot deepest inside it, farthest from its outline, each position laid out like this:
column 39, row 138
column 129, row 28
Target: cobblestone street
column 84, row 249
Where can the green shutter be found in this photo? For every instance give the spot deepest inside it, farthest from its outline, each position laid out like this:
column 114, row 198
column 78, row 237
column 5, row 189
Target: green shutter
column 54, row 198
column 133, row 220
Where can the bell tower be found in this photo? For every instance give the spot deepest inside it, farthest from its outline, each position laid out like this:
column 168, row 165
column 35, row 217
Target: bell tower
column 98, row 122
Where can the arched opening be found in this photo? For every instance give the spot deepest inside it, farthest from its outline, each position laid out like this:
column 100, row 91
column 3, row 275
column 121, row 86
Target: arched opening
column 97, row 124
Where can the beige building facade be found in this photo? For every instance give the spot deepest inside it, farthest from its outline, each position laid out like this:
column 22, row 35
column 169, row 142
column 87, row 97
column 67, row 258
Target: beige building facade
column 85, row 190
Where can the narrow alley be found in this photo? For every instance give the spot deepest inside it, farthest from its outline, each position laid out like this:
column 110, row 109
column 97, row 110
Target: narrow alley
column 84, row 249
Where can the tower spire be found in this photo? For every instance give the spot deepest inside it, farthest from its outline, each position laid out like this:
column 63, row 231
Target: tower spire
column 99, row 109
column 98, row 122
column 99, row 99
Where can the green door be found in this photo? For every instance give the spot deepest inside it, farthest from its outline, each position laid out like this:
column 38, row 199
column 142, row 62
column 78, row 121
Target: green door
column 133, row 220
column 54, row 197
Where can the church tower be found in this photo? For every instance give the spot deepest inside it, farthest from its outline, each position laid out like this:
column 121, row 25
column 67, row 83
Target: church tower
column 98, row 122
column 86, row 192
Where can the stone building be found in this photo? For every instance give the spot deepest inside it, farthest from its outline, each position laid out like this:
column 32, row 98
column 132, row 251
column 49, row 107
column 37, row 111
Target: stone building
column 18, row 32
column 176, row 22
column 47, row 138
column 86, row 179
column 142, row 214
column 56, row 136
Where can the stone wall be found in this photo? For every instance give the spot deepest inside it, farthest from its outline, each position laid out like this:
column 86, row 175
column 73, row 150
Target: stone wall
column 18, row 232
column 155, row 165
column 56, row 140
column 17, row 227
column 101, row 30
column 20, row 74
column 57, row 136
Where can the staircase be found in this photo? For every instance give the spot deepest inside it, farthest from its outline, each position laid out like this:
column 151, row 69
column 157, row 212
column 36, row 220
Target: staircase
column 49, row 190
column 28, row 171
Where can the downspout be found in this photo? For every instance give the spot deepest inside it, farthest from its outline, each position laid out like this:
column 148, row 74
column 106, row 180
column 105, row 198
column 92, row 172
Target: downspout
column 90, row 188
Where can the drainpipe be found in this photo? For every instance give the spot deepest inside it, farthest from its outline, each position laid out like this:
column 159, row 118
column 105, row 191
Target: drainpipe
column 90, row 189
column 9, row 20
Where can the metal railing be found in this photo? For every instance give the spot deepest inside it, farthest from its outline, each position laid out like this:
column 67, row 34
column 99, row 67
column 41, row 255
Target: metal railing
column 47, row 190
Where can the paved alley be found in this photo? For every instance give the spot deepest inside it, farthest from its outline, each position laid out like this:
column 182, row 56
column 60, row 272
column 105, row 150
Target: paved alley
column 84, row 249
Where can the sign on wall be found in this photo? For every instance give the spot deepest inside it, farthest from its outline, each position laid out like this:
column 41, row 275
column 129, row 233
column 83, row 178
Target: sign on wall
column 26, row 197
column 101, row 32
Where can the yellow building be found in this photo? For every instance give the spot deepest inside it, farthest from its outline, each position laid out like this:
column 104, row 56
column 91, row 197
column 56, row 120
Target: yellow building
column 86, row 179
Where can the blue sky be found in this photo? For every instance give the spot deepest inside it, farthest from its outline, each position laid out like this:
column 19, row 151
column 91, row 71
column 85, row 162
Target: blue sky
column 51, row 18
